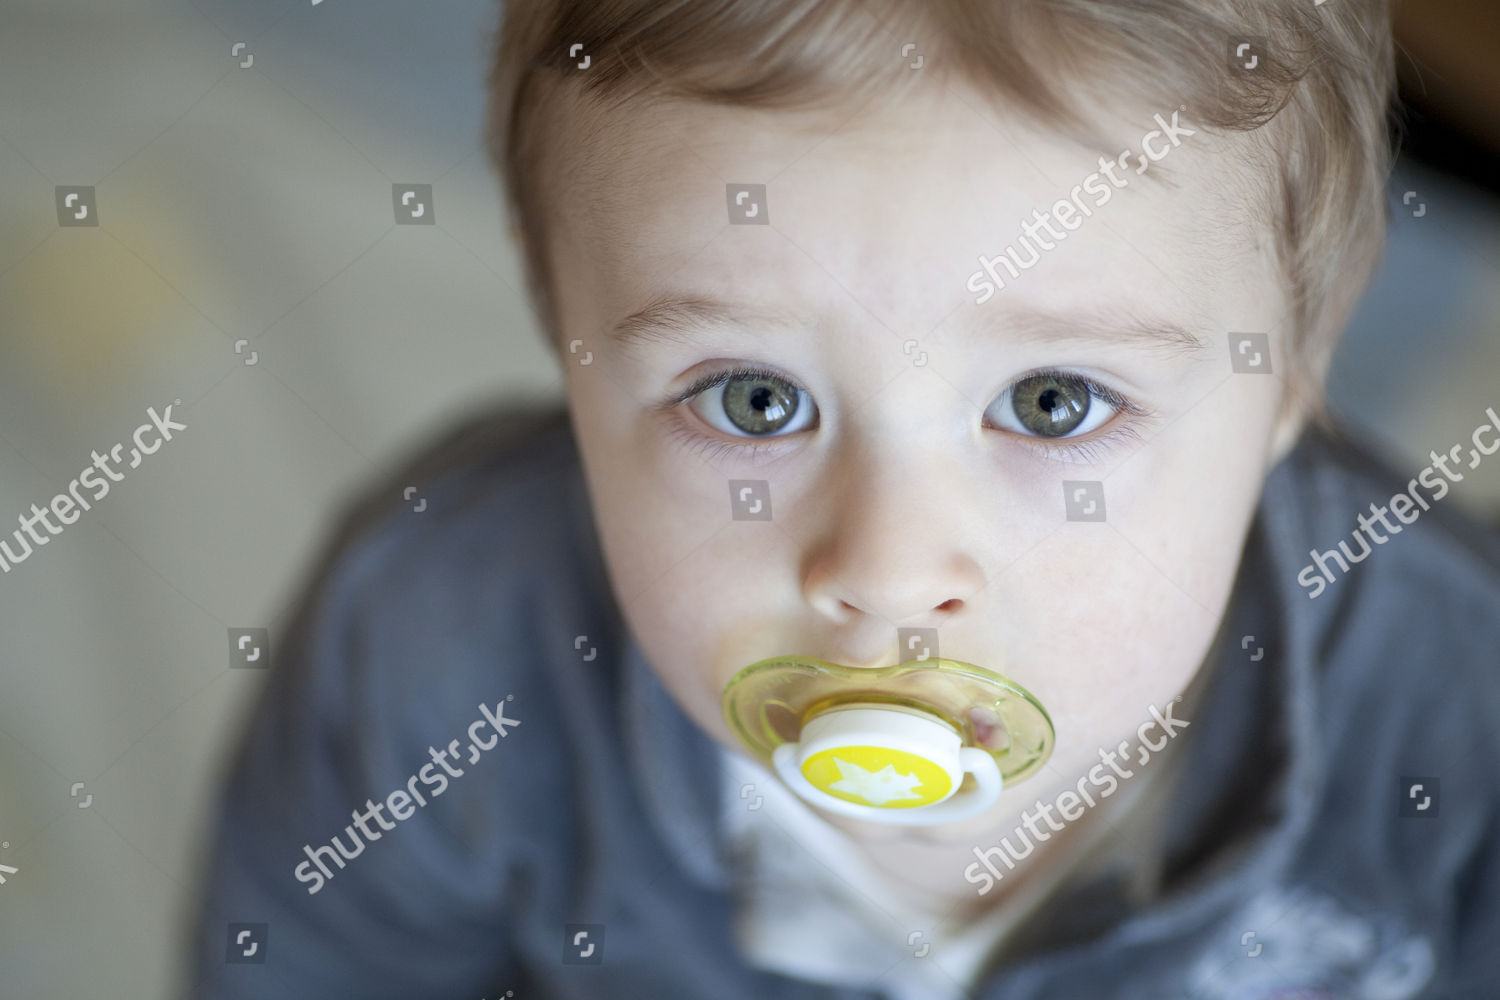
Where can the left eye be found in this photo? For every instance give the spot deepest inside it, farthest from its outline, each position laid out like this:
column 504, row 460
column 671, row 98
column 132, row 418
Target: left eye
column 753, row 404
column 1054, row 406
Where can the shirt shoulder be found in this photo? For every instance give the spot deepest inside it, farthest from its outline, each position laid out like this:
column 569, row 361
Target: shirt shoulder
column 1403, row 647
column 469, row 574
column 427, row 662
column 457, row 568
column 1411, row 616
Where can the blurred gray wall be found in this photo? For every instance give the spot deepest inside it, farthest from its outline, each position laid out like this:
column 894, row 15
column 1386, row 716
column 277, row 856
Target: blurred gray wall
column 254, row 204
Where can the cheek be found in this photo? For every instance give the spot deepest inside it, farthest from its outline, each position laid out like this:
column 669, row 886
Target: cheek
column 1110, row 638
column 1131, row 605
column 710, row 615
column 689, row 582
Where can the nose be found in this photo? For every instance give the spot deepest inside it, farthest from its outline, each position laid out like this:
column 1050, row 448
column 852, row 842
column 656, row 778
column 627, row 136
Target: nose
column 893, row 555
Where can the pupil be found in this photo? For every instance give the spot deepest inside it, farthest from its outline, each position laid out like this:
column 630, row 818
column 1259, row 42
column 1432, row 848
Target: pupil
column 1048, row 400
column 761, row 398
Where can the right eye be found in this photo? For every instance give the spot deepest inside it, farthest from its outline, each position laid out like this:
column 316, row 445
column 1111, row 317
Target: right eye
column 751, row 402
column 1056, row 405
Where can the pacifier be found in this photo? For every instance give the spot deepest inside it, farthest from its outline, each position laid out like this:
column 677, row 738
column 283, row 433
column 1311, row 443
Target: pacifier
column 916, row 744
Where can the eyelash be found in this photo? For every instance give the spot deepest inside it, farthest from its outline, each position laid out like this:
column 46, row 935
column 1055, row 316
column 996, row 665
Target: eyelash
column 1088, row 449
column 1066, row 449
column 701, row 444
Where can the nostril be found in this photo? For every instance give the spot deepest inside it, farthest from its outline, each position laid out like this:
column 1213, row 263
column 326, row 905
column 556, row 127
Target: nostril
column 951, row 604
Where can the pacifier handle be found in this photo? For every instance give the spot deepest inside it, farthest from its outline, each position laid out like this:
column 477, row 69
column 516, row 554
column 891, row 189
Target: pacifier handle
column 960, row 805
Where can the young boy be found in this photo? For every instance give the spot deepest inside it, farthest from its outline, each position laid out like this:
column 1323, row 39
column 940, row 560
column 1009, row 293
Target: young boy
column 993, row 329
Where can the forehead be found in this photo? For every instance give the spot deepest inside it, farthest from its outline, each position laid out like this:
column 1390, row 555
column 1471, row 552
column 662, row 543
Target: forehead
column 885, row 208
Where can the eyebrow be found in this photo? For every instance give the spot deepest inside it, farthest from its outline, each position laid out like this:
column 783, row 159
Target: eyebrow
column 677, row 319
column 1091, row 327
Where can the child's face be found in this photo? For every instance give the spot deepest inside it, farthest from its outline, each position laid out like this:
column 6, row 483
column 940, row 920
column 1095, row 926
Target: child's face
column 907, row 489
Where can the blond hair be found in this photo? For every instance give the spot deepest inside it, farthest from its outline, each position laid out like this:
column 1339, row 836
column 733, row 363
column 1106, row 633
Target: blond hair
column 1319, row 97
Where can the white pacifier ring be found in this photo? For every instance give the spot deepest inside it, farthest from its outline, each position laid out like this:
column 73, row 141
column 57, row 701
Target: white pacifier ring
column 891, row 744
column 888, row 767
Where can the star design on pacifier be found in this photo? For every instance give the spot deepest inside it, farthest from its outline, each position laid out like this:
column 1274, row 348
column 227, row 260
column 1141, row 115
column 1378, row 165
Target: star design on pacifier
column 875, row 787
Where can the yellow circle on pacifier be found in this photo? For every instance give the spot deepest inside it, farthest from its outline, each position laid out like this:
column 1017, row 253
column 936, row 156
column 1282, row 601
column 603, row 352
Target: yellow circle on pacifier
column 877, row 776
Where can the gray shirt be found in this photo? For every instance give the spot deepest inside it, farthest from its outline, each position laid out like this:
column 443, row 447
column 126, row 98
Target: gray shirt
column 579, row 851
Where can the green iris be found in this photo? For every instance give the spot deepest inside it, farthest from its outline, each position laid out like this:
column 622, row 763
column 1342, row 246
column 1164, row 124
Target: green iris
column 759, row 405
column 1050, row 406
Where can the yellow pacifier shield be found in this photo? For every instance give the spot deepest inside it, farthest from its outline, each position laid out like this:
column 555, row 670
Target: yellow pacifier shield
column 769, row 703
column 877, row 776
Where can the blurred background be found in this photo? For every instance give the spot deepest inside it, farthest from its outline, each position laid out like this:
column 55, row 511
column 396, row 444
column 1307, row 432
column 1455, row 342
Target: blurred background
column 245, row 261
